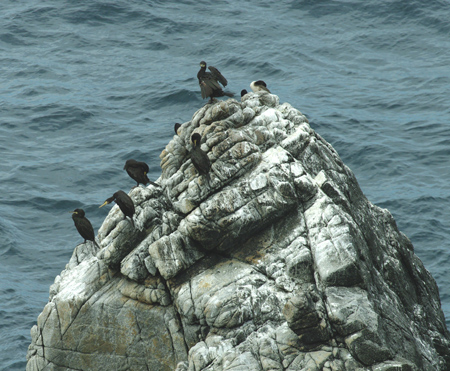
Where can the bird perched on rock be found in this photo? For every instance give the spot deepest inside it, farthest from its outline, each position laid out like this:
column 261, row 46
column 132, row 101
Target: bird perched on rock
column 125, row 204
column 199, row 157
column 138, row 170
column 209, row 82
column 84, row 226
column 243, row 92
column 176, row 127
column 259, row 86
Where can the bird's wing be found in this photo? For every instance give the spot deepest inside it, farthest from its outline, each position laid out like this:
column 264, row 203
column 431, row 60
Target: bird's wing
column 126, row 204
column 218, row 76
column 201, row 161
column 205, row 89
column 211, row 80
column 134, row 172
column 144, row 166
column 85, row 229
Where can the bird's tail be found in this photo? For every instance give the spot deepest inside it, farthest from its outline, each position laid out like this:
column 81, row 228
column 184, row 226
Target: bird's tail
column 154, row 184
column 96, row 244
column 132, row 222
column 208, row 179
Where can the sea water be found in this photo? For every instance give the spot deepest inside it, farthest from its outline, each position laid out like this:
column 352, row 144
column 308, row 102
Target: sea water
column 86, row 85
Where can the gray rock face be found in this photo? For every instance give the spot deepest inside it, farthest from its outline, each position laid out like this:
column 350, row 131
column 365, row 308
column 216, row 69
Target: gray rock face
column 279, row 262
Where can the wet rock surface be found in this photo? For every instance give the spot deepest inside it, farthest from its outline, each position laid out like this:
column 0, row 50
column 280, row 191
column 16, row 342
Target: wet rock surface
column 278, row 262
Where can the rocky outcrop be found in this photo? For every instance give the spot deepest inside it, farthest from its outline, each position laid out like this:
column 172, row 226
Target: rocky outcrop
column 279, row 262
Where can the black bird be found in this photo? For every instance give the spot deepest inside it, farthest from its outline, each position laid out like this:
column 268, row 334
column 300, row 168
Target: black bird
column 84, row 226
column 138, row 171
column 125, row 204
column 259, row 86
column 177, row 126
column 199, row 157
column 243, row 92
column 209, row 82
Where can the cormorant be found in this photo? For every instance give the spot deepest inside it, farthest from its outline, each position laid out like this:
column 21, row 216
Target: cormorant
column 209, row 82
column 125, row 204
column 177, row 126
column 138, row 171
column 243, row 92
column 199, row 157
column 84, row 226
column 259, row 86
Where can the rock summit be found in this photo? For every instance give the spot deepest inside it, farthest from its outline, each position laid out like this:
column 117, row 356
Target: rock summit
column 277, row 262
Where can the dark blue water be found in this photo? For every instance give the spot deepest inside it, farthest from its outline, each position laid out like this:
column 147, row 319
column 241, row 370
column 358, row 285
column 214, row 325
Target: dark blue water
column 86, row 85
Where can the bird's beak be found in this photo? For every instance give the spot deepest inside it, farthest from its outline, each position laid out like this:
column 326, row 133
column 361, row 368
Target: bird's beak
column 195, row 143
column 104, row 203
column 145, row 173
column 73, row 212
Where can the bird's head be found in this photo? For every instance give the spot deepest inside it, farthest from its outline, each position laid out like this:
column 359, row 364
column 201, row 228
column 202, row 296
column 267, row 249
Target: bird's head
column 196, row 138
column 176, row 127
column 108, row 201
column 78, row 212
column 203, row 64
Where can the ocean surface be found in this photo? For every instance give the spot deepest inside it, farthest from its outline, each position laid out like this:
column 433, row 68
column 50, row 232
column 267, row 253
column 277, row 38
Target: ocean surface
column 86, row 85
